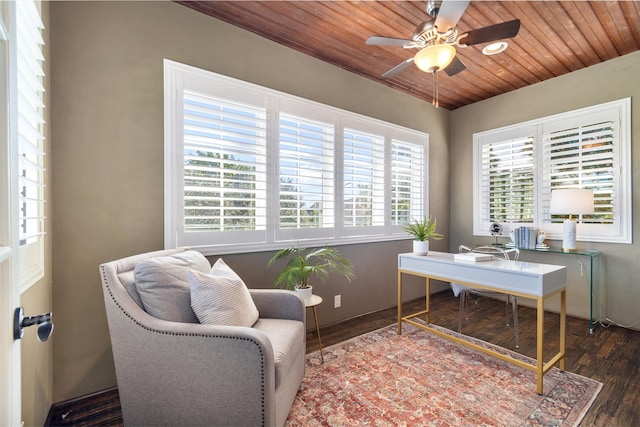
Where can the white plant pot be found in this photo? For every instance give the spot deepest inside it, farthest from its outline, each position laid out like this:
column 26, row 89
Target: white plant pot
column 305, row 293
column 420, row 247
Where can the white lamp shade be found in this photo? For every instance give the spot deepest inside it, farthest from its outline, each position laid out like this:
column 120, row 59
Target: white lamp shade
column 571, row 202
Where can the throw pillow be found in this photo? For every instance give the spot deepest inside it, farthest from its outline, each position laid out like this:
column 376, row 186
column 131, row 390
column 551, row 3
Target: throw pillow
column 163, row 285
column 221, row 297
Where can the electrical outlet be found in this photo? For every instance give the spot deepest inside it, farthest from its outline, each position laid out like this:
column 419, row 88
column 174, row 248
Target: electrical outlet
column 337, row 301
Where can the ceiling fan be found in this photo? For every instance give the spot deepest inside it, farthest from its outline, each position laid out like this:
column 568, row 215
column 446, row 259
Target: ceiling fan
column 438, row 37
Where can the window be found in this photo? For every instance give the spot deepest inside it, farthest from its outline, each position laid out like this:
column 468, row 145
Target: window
column 365, row 162
column 507, row 180
column 26, row 136
column 363, row 179
column 306, row 175
column 407, row 181
column 224, row 167
column 252, row 169
column 517, row 168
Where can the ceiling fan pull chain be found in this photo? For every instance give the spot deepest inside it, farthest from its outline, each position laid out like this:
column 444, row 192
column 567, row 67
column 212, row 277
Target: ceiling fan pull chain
column 435, row 74
column 435, row 89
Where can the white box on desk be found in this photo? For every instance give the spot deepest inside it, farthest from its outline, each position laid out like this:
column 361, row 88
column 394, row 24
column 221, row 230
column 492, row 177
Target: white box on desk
column 472, row 257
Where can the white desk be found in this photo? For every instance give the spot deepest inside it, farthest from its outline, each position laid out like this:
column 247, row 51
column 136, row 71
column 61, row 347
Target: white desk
column 525, row 279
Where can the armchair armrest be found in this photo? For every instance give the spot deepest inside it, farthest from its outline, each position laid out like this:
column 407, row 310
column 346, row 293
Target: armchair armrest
column 192, row 372
column 278, row 304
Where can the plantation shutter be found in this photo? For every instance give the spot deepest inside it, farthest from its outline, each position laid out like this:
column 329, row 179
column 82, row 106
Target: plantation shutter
column 30, row 121
column 224, row 165
column 582, row 157
column 248, row 168
column 363, row 179
column 407, row 182
column 507, row 181
column 306, row 175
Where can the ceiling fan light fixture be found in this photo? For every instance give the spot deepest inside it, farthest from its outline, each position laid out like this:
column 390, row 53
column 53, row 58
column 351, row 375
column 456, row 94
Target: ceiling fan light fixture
column 435, row 57
column 493, row 48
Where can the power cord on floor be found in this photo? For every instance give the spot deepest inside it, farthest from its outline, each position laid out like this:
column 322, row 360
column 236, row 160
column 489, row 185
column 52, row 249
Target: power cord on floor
column 610, row 323
column 606, row 322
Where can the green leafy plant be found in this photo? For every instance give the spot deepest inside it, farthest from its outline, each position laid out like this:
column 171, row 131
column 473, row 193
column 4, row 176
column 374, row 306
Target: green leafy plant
column 423, row 229
column 304, row 263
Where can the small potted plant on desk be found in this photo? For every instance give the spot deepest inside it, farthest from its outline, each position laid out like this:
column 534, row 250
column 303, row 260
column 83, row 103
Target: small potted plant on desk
column 303, row 263
column 422, row 231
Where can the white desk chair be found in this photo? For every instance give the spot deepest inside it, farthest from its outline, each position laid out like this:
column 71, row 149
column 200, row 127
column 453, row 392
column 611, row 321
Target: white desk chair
column 464, row 291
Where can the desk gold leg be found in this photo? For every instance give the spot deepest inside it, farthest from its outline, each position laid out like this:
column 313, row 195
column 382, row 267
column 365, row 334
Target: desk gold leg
column 428, row 299
column 540, row 342
column 563, row 327
column 399, row 303
column 315, row 317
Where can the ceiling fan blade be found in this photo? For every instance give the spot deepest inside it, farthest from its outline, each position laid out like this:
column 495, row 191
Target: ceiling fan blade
column 491, row 33
column 387, row 41
column 455, row 67
column 449, row 14
column 398, row 68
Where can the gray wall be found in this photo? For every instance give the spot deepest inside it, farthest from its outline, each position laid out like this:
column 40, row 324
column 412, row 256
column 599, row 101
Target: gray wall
column 107, row 159
column 619, row 294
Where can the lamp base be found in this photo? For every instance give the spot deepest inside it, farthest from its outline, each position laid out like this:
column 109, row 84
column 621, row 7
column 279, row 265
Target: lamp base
column 569, row 236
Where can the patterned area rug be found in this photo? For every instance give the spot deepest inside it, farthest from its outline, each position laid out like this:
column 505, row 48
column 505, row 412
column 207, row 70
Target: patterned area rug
column 421, row 379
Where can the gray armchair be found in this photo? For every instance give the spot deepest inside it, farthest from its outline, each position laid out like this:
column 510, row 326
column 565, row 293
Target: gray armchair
column 172, row 373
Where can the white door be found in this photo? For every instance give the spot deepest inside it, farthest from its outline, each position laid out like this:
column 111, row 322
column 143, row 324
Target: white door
column 21, row 171
column 10, row 380
column 21, row 182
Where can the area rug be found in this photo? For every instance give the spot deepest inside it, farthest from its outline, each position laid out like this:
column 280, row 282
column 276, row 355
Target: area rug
column 420, row 379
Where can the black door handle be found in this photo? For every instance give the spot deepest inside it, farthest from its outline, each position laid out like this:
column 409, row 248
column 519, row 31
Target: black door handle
column 45, row 325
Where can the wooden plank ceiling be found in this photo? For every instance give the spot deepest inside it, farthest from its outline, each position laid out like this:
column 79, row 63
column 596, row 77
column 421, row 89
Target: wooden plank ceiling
column 555, row 38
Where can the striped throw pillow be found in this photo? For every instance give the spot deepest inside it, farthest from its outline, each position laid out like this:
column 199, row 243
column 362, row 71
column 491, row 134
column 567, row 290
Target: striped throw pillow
column 221, row 297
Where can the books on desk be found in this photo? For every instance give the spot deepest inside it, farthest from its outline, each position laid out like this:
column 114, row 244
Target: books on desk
column 472, row 257
column 525, row 237
column 539, row 246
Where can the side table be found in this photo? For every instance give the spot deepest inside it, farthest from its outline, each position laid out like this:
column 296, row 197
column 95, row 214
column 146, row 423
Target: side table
column 313, row 303
column 595, row 266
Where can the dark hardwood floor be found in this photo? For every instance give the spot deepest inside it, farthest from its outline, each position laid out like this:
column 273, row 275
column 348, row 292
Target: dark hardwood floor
column 609, row 355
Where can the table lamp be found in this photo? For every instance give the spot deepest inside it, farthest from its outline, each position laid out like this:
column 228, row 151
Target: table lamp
column 571, row 202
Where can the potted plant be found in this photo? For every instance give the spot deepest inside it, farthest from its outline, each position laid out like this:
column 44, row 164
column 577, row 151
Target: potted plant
column 422, row 231
column 304, row 263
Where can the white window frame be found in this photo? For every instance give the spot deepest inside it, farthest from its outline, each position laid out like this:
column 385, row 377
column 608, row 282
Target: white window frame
column 620, row 231
column 181, row 77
